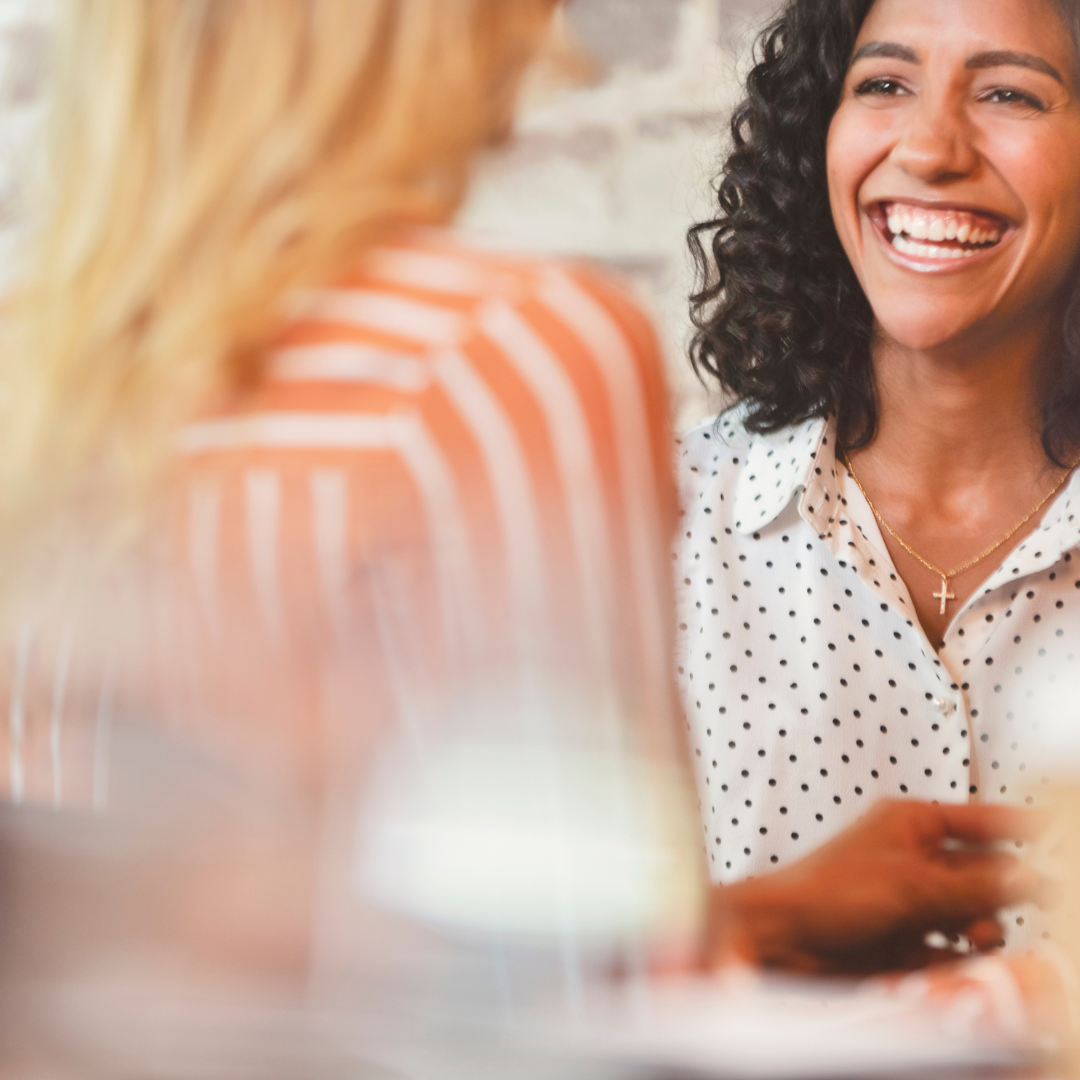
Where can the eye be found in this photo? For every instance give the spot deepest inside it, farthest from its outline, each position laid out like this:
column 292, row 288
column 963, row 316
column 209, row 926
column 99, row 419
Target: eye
column 881, row 86
column 1004, row 95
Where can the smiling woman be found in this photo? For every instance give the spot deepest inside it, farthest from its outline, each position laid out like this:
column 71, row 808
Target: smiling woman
column 879, row 538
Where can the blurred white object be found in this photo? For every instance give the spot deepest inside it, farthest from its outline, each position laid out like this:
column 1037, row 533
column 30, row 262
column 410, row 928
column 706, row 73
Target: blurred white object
column 706, row 1030
column 534, row 841
column 744, row 1026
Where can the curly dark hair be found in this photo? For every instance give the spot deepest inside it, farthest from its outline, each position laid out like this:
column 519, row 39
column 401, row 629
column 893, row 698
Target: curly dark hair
column 782, row 323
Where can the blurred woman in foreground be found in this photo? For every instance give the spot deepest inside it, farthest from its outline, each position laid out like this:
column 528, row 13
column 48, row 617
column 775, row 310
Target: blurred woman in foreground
column 376, row 524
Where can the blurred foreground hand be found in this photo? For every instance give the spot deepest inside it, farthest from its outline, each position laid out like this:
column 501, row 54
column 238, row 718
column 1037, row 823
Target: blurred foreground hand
column 865, row 902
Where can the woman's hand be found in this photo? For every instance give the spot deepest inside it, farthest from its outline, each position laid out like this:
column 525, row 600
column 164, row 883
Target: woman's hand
column 864, row 902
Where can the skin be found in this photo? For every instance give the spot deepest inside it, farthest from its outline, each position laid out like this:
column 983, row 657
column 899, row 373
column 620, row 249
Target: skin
column 864, row 902
column 957, row 459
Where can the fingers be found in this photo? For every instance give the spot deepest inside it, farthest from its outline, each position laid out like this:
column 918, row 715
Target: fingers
column 972, row 886
column 983, row 824
column 923, row 956
column 912, row 950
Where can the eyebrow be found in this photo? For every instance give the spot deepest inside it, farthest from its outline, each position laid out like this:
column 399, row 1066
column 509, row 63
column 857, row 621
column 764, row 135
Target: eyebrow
column 1013, row 59
column 891, row 50
column 888, row 49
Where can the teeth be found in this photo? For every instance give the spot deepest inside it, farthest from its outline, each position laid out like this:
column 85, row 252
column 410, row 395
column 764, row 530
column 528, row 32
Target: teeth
column 928, row 251
column 915, row 224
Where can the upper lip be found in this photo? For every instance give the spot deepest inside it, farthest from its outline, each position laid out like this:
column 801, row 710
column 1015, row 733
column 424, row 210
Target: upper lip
column 940, row 206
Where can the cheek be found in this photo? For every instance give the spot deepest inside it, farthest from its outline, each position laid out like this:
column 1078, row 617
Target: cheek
column 858, row 141
column 1061, row 176
column 1046, row 176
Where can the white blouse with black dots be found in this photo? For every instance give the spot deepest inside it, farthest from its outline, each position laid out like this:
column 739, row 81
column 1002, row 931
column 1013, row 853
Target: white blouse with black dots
column 810, row 687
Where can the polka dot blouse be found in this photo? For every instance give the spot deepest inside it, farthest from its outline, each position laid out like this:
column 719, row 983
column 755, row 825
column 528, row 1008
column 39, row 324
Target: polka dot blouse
column 810, row 688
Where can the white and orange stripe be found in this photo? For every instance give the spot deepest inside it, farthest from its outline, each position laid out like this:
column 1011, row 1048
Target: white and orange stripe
column 456, row 464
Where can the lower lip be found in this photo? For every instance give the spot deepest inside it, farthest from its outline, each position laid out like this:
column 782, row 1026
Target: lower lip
column 932, row 265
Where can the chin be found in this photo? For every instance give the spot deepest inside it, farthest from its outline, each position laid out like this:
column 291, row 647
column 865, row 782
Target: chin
column 924, row 331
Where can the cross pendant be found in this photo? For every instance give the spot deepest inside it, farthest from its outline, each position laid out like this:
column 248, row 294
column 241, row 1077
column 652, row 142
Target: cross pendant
column 944, row 596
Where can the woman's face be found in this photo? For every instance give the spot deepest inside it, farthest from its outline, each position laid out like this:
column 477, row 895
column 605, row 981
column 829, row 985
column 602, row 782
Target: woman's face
column 954, row 166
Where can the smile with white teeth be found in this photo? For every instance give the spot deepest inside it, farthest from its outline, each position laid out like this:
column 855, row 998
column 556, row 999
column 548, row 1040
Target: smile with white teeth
column 940, row 234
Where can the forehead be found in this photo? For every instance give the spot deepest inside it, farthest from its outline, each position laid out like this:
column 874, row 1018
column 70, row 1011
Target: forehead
column 1037, row 27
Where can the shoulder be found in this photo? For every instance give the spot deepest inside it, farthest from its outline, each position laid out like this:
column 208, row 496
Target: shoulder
column 586, row 313
column 741, row 479
column 578, row 320
column 711, row 457
column 441, row 263
column 428, row 292
column 714, row 445
column 441, row 290
column 708, row 461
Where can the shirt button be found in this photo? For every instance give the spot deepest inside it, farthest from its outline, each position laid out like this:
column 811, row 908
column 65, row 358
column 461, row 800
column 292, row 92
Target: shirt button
column 942, row 705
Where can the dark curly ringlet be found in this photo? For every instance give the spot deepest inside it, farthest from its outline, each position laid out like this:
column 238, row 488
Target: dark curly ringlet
column 782, row 323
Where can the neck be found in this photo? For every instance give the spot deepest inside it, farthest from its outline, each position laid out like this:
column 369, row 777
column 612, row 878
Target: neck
column 957, row 413
column 956, row 462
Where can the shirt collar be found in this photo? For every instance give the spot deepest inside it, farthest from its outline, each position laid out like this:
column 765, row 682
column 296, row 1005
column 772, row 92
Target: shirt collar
column 1058, row 533
column 802, row 458
column 780, row 464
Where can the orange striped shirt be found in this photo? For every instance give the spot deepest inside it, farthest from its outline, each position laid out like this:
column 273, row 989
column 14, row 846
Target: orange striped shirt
column 455, row 473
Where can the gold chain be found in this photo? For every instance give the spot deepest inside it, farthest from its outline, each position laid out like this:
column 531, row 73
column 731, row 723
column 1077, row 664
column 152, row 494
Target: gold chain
column 945, row 596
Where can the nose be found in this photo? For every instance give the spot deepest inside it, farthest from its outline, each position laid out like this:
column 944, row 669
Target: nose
column 936, row 144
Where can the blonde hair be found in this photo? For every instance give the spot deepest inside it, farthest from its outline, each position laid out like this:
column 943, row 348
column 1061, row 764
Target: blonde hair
column 208, row 157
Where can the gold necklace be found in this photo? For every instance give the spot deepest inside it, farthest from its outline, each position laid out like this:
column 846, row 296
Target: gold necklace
column 946, row 576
